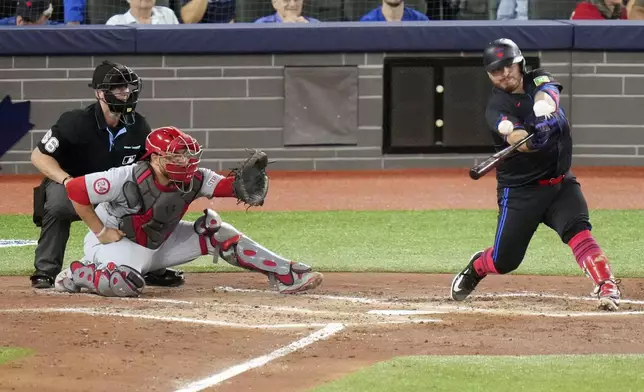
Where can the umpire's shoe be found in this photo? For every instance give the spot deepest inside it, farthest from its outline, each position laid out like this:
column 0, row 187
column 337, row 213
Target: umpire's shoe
column 166, row 278
column 41, row 282
column 465, row 282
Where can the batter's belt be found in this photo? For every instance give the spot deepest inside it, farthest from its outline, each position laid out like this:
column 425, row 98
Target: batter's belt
column 551, row 181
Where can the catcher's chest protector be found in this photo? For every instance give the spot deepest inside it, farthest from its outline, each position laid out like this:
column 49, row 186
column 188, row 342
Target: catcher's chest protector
column 159, row 213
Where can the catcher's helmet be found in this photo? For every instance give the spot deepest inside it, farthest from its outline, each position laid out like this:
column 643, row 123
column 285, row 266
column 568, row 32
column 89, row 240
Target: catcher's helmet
column 181, row 153
column 108, row 76
column 501, row 53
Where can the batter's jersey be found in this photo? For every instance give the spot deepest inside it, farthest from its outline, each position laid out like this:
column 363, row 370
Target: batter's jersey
column 523, row 168
column 106, row 190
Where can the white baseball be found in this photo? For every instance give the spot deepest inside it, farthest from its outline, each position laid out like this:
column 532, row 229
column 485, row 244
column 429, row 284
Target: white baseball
column 544, row 107
column 506, row 127
column 439, row 89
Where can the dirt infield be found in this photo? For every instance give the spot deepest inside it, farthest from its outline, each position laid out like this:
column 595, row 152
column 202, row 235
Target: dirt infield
column 226, row 332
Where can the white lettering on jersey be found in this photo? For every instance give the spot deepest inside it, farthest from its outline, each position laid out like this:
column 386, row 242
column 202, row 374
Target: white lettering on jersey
column 210, row 181
column 46, row 137
column 129, row 159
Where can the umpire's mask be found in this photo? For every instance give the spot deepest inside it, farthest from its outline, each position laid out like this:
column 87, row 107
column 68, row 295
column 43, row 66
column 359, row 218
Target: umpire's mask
column 121, row 88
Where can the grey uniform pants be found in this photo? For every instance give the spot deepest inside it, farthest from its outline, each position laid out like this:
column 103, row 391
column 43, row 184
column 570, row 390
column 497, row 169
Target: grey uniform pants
column 56, row 222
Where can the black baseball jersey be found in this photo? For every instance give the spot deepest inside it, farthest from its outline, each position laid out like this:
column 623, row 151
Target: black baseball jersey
column 82, row 143
column 523, row 168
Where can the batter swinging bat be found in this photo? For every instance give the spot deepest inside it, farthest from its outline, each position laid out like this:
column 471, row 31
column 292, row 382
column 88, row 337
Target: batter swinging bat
column 484, row 167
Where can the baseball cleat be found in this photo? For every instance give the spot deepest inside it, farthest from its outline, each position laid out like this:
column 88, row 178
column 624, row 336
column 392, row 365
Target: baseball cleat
column 608, row 294
column 466, row 281
column 303, row 282
column 165, row 278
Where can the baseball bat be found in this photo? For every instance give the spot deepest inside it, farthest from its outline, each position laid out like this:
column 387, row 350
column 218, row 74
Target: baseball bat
column 490, row 163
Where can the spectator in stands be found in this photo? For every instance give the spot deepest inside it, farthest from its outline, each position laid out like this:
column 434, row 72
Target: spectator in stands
column 287, row 11
column 31, row 12
column 635, row 9
column 208, row 11
column 144, row 12
column 393, row 11
column 599, row 9
column 512, row 10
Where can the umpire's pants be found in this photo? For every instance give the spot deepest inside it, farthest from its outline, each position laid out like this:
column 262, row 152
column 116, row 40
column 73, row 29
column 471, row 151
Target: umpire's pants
column 57, row 216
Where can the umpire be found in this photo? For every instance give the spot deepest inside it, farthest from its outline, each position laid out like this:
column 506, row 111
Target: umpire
column 106, row 134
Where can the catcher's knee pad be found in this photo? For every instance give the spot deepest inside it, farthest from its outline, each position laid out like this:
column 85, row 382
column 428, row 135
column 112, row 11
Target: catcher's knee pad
column 108, row 280
column 208, row 224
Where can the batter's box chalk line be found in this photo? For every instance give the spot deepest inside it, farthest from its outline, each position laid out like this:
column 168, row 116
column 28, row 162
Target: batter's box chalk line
column 219, row 323
column 217, row 378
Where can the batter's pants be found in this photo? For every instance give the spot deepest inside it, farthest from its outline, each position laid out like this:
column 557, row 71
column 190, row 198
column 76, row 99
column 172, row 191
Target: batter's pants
column 561, row 206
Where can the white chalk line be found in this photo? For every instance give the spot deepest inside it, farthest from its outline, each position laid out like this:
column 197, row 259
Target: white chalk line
column 505, row 312
column 307, row 295
column 324, row 333
column 93, row 312
column 52, row 292
column 189, row 320
column 402, row 302
column 553, row 296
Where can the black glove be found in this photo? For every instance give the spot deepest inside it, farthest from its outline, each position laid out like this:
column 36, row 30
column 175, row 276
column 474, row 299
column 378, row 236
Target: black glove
column 250, row 185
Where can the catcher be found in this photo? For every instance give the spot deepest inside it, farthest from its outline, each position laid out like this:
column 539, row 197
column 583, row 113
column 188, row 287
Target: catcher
column 137, row 225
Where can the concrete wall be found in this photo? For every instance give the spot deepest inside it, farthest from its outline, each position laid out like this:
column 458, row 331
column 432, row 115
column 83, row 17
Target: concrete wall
column 234, row 102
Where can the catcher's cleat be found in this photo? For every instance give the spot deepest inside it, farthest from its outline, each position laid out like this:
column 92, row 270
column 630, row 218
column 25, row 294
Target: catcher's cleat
column 165, row 278
column 301, row 282
column 609, row 295
column 466, row 281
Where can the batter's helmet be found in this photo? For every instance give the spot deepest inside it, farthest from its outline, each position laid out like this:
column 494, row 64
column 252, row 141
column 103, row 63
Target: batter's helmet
column 108, row 76
column 501, row 53
column 181, row 151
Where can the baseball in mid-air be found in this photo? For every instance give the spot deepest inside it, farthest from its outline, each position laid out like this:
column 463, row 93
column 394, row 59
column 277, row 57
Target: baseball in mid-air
column 439, row 89
column 439, row 123
column 506, row 127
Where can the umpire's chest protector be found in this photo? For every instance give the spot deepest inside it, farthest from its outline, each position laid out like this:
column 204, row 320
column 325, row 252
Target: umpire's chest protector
column 159, row 211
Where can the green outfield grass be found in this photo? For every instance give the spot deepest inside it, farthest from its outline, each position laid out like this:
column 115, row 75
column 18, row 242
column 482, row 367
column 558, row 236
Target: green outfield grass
column 578, row 373
column 393, row 241
column 10, row 353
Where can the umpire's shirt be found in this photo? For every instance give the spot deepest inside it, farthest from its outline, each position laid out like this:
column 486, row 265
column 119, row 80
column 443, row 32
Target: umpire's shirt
column 82, row 143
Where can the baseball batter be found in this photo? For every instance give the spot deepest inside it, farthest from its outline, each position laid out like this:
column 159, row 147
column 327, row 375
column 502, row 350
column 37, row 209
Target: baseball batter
column 137, row 225
column 535, row 185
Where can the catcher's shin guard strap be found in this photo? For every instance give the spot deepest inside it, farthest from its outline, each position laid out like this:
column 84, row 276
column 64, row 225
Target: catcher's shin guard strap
column 109, row 280
column 241, row 251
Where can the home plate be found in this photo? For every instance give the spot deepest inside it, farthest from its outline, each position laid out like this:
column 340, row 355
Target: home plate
column 404, row 312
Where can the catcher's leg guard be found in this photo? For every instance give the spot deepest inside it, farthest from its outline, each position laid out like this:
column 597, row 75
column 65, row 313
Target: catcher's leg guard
column 108, row 280
column 241, row 251
column 595, row 265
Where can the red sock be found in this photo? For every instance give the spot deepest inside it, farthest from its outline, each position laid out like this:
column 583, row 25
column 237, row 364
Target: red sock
column 485, row 264
column 590, row 257
column 583, row 245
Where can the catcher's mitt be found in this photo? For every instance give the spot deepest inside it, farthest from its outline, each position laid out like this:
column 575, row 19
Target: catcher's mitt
column 250, row 185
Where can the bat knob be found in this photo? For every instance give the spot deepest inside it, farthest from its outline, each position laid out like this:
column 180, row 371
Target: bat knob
column 474, row 175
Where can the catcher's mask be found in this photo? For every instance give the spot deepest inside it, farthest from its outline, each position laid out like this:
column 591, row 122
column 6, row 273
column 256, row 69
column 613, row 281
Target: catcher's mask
column 121, row 88
column 501, row 53
column 179, row 155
